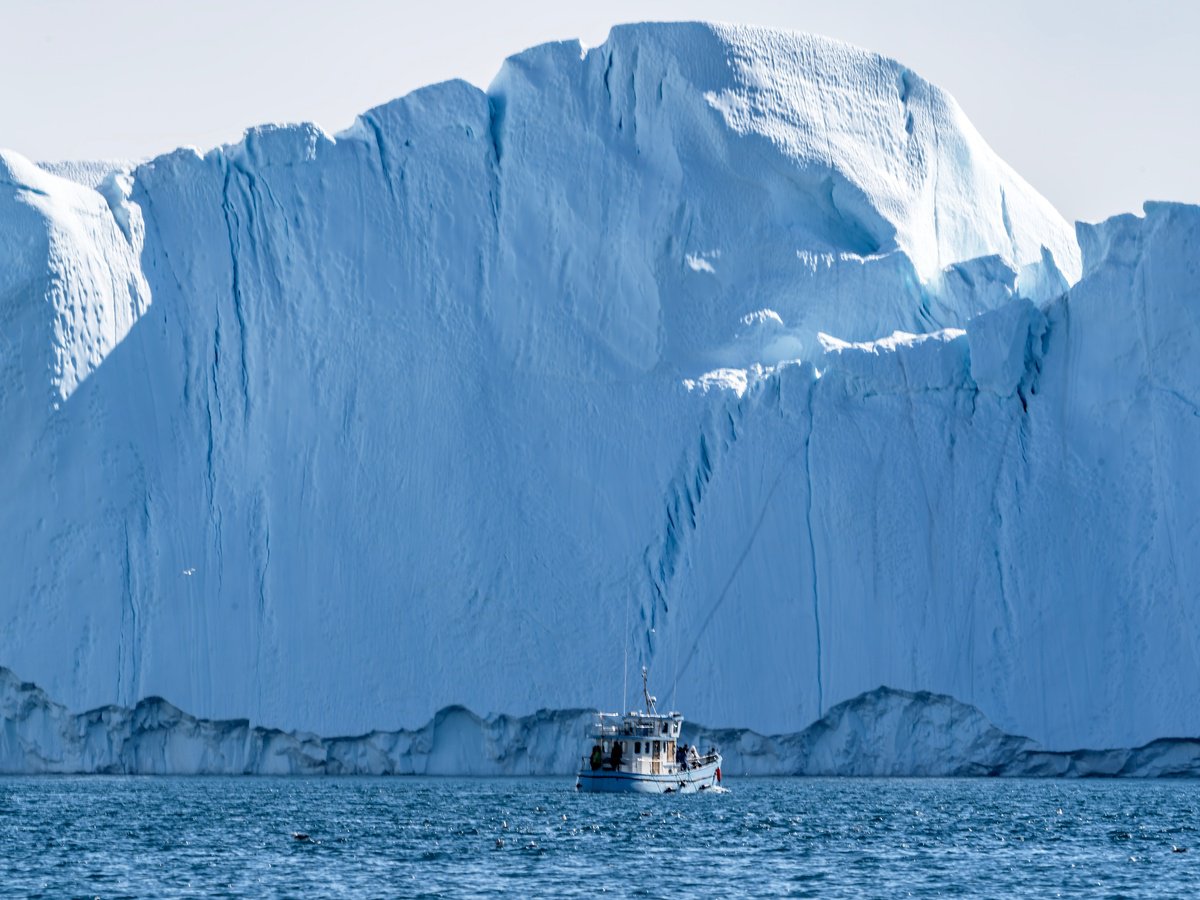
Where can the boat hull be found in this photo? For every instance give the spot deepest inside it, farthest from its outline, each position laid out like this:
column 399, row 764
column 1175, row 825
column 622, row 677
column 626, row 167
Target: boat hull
column 602, row 781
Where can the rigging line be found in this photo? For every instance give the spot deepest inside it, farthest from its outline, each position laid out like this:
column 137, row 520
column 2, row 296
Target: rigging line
column 625, row 664
column 675, row 664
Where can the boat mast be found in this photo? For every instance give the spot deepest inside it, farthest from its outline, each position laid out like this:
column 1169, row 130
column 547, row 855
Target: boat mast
column 650, row 701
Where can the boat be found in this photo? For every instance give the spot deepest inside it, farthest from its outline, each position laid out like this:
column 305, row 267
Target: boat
column 640, row 753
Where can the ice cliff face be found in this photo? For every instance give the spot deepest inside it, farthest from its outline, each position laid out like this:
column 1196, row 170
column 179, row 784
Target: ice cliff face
column 999, row 513
column 333, row 432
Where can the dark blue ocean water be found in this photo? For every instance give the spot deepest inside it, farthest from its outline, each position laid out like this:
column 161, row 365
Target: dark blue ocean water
column 233, row 837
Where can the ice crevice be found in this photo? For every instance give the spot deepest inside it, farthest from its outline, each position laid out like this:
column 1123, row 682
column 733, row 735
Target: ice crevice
column 233, row 225
column 812, row 549
column 684, row 497
column 372, row 122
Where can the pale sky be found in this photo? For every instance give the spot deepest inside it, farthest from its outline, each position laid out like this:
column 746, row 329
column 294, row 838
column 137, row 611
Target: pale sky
column 1097, row 104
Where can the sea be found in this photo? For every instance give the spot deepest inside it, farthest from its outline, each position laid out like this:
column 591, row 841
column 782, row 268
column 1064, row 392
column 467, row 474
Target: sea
column 101, row 836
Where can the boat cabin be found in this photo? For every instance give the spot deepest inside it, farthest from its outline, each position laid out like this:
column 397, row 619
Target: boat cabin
column 639, row 743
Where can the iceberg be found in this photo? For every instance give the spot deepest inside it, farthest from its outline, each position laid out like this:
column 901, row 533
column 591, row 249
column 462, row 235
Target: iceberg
column 735, row 347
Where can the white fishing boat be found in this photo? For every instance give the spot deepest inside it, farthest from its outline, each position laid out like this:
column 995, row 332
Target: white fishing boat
column 640, row 753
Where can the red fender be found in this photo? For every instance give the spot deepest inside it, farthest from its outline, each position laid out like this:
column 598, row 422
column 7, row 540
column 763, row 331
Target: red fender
column 718, row 774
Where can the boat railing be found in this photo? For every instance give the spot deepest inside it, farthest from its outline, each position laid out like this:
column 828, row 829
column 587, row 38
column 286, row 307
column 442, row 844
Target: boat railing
column 669, row 767
column 611, row 731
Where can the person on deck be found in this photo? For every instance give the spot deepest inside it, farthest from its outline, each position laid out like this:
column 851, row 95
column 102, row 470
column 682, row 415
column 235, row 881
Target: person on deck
column 614, row 758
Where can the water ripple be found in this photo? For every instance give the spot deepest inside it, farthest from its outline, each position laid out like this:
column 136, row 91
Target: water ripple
column 253, row 837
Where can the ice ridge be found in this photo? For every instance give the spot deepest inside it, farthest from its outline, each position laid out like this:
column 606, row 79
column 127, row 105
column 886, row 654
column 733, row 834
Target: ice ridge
column 883, row 732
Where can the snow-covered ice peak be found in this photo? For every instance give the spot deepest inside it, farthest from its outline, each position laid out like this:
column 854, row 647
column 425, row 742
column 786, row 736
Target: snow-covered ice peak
column 870, row 156
column 771, row 168
column 70, row 258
